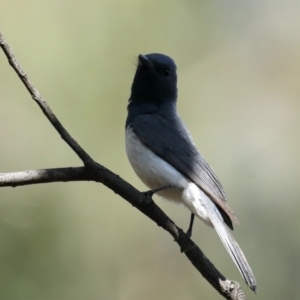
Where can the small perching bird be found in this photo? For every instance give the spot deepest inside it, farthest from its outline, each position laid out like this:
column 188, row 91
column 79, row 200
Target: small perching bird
column 163, row 154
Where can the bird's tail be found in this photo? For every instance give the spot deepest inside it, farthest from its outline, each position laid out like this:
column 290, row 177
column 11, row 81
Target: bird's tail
column 231, row 245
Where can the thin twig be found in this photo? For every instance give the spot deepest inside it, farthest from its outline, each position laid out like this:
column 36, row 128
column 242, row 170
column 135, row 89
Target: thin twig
column 41, row 102
column 29, row 177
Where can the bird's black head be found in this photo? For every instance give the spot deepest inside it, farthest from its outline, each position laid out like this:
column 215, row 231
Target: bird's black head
column 155, row 80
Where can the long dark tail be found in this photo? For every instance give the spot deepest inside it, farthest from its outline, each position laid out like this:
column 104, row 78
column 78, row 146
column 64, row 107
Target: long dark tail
column 231, row 245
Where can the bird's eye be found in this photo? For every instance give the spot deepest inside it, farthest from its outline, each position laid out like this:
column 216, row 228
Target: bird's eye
column 167, row 73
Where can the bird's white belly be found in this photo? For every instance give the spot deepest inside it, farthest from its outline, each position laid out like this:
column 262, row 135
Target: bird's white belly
column 156, row 173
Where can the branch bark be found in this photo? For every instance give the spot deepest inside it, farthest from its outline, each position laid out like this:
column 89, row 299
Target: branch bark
column 92, row 171
column 15, row 179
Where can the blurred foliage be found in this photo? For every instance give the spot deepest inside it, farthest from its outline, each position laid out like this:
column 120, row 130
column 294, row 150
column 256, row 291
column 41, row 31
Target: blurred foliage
column 239, row 69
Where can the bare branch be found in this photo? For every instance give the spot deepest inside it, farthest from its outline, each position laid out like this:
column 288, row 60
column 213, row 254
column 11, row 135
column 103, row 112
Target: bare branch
column 41, row 102
column 93, row 171
column 42, row 176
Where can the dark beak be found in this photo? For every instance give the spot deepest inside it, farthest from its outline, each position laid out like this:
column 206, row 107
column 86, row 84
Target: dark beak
column 144, row 61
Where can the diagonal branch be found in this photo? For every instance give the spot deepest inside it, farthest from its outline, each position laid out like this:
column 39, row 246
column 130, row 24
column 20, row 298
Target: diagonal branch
column 93, row 171
column 41, row 102
column 227, row 288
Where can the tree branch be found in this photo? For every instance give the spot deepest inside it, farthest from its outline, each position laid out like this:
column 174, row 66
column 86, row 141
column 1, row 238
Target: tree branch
column 15, row 179
column 93, row 171
column 41, row 102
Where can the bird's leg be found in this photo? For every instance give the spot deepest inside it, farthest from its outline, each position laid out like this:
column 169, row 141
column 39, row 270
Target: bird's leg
column 189, row 231
column 150, row 193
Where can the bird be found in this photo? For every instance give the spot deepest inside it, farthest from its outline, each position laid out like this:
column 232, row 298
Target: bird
column 164, row 156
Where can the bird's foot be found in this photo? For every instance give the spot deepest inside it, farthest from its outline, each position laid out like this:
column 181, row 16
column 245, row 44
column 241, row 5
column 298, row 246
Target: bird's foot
column 148, row 194
column 189, row 233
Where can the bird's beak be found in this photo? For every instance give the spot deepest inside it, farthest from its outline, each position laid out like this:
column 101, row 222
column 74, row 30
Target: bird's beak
column 144, row 61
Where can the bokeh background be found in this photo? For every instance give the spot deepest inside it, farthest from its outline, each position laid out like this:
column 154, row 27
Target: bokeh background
column 238, row 68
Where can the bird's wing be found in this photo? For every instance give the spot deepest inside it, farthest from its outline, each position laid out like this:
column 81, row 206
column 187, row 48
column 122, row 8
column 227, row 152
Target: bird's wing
column 169, row 139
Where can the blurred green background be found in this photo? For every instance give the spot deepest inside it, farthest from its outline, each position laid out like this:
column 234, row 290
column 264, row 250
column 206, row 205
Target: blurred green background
column 238, row 68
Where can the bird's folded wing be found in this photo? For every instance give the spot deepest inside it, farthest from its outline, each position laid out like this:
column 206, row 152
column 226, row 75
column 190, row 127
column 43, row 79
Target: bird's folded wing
column 169, row 139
